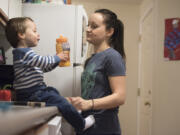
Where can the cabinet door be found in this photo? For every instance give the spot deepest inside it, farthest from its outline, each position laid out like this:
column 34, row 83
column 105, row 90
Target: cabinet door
column 55, row 126
column 15, row 8
column 4, row 6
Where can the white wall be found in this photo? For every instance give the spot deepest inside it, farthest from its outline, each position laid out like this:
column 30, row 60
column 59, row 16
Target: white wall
column 129, row 14
column 166, row 96
column 166, row 88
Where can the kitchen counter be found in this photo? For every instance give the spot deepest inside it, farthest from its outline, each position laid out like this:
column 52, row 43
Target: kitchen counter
column 21, row 118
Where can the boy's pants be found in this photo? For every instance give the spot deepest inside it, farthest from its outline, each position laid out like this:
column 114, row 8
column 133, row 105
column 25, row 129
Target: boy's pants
column 52, row 98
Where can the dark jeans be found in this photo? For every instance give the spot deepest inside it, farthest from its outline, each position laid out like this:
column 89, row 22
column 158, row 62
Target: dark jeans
column 52, row 98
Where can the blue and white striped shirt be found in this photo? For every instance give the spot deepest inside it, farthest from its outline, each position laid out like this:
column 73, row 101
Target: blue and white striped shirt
column 29, row 67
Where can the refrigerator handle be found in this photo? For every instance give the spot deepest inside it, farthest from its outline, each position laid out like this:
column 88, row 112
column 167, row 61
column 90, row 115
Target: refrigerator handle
column 77, row 64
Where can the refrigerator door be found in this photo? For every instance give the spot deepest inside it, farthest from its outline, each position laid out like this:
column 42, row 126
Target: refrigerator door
column 70, row 21
column 52, row 21
column 81, row 45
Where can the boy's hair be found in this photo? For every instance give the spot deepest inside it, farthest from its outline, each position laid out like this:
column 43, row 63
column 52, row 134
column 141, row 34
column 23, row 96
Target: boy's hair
column 15, row 26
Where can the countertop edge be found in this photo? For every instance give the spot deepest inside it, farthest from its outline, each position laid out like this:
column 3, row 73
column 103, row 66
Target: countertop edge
column 14, row 122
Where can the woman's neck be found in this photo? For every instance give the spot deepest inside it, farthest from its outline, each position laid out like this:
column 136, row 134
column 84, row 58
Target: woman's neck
column 101, row 47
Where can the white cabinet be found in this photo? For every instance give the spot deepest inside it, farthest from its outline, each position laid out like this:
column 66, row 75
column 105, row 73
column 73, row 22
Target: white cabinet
column 53, row 127
column 15, row 8
column 12, row 8
column 4, row 6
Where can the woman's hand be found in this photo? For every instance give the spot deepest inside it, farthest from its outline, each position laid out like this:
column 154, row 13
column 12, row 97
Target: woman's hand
column 80, row 103
column 113, row 100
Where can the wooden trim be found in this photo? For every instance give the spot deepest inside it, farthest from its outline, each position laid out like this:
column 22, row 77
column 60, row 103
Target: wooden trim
column 3, row 18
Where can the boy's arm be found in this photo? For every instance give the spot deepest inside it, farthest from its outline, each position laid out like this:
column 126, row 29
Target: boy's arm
column 46, row 63
column 62, row 56
column 53, row 66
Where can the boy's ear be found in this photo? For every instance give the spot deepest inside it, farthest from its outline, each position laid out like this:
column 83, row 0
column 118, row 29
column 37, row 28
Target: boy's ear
column 21, row 35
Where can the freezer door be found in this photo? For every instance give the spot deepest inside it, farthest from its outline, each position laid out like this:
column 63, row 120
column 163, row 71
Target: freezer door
column 81, row 44
column 52, row 21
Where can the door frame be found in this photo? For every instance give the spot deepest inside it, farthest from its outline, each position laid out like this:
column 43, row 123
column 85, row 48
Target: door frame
column 143, row 17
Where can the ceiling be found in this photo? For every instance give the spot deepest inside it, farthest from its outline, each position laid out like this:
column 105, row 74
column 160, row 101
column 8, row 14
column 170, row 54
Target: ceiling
column 124, row 1
column 130, row 1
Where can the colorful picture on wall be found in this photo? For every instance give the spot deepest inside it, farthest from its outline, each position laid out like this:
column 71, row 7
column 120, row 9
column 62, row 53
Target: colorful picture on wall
column 172, row 39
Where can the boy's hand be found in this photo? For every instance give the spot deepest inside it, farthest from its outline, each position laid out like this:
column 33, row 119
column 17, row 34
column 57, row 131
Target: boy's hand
column 69, row 99
column 63, row 56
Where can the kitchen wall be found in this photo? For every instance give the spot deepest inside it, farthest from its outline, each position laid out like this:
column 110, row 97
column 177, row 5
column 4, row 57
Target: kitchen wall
column 166, row 76
column 166, row 96
column 129, row 14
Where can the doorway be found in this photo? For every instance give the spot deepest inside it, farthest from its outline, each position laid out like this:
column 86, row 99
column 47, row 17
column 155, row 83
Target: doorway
column 145, row 82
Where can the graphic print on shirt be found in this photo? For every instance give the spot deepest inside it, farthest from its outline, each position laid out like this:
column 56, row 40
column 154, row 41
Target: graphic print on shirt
column 88, row 80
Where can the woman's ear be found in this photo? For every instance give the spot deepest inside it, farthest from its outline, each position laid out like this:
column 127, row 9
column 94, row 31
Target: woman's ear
column 21, row 35
column 110, row 32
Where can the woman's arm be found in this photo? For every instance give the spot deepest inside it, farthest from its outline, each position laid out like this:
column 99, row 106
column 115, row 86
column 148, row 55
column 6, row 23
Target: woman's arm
column 117, row 84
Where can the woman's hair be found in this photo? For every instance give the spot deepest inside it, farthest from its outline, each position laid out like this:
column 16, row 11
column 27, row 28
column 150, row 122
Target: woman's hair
column 15, row 26
column 111, row 21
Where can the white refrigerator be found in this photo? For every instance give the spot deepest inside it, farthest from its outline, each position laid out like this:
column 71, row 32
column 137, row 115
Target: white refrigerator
column 70, row 21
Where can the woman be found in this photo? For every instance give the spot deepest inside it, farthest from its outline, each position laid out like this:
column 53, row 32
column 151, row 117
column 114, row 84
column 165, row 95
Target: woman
column 103, row 80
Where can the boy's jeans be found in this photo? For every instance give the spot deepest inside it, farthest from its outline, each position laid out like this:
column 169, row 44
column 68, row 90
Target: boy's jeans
column 52, row 98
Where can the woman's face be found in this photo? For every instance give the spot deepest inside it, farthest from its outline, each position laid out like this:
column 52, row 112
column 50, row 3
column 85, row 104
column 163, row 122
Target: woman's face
column 96, row 30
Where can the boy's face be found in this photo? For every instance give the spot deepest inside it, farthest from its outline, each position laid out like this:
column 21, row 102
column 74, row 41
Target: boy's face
column 31, row 37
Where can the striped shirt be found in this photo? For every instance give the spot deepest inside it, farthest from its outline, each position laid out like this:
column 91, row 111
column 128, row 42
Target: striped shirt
column 29, row 67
